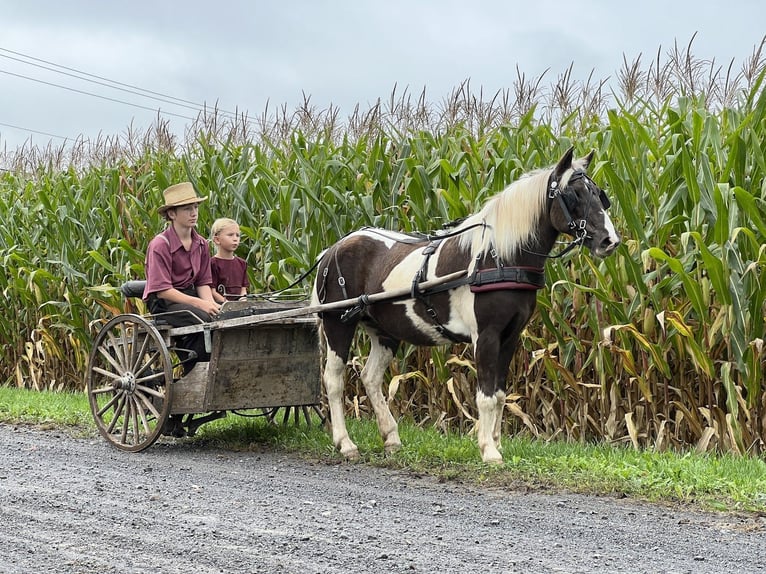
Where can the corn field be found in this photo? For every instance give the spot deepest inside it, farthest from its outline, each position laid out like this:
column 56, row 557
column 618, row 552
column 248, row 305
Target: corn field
column 659, row 346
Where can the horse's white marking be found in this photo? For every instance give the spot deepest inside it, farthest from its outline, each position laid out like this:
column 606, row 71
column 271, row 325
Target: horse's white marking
column 373, row 378
column 388, row 238
column 462, row 320
column 609, row 226
column 333, row 381
column 405, row 270
column 490, row 416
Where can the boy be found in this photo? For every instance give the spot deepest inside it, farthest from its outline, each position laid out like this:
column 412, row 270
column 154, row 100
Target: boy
column 229, row 272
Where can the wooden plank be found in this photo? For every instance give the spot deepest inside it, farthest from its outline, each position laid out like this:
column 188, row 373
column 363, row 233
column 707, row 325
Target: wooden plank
column 273, row 365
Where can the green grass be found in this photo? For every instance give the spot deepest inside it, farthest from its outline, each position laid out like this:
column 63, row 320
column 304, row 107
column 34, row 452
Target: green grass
column 45, row 408
column 723, row 482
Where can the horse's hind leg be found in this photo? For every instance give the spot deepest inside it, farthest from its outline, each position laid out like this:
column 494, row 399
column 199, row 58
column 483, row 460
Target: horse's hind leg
column 497, row 432
column 337, row 346
column 381, row 352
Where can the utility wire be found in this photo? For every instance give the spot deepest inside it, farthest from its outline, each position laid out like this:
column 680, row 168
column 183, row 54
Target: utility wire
column 154, row 95
column 97, row 96
column 113, row 84
column 34, row 131
column 167, row 101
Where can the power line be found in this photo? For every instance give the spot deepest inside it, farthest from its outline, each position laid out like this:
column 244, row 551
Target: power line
column 97, row 77
column 34, row 131
column 154, row 95
column 113, row 84
column 167, row 101
column 97, row 95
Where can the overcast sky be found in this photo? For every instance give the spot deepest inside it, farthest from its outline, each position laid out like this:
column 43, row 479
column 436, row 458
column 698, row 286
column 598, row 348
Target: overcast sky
column 243, row 54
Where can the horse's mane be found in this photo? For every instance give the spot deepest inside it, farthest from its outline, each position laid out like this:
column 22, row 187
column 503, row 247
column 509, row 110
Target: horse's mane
column 512, row 217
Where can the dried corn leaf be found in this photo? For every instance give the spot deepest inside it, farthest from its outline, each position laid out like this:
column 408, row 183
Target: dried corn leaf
column 458, row 402
column 632, row 431
column 517, row 411
column 703, row 444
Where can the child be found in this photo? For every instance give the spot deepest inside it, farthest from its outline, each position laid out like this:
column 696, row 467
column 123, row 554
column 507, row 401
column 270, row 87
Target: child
column 229, row 272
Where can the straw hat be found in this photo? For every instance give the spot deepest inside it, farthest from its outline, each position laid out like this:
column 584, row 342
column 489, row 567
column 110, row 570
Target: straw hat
column 178, row 195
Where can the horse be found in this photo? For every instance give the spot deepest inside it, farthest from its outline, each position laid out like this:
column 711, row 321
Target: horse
column 502, row 248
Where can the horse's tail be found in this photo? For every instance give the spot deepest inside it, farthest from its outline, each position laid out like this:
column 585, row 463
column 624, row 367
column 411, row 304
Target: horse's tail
column 314, row 302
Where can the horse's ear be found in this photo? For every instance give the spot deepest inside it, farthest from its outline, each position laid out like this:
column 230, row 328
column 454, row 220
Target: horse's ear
column 585, row 161
column 564, row 164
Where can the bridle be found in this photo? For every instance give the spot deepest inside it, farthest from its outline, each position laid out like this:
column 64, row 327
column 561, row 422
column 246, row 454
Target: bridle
column 567, row 200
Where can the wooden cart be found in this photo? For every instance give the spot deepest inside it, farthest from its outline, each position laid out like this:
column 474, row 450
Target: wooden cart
column 259, row 359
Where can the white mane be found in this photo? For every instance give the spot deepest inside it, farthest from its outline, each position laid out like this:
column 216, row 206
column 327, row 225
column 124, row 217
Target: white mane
column 512, row 217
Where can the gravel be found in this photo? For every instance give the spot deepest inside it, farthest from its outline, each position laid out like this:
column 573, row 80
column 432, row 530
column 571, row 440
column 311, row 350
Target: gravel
column 77, row 505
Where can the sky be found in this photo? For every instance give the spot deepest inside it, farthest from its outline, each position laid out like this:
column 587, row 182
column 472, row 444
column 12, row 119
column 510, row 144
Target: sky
column 246, row 54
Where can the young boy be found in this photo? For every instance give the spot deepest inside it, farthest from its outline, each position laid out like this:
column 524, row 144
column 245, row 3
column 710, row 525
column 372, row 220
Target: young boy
column 229, row 272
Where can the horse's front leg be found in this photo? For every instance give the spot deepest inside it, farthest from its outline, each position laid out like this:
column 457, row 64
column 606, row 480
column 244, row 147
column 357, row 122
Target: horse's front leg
column 505, row 354
column 490, row 417
column 381, row 353
column 493, row 356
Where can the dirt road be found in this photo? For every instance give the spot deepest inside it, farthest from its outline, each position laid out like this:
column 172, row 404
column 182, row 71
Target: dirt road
column 78, row 506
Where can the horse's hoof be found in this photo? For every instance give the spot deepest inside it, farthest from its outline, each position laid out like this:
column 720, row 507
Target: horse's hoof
column 350, row 454
column 393, row 447
column 493, row 457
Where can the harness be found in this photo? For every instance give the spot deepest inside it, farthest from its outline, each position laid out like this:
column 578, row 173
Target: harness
column 495, row 278
column 498, row 278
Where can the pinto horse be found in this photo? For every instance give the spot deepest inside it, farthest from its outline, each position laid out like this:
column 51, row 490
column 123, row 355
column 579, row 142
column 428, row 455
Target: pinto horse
column 503, row 249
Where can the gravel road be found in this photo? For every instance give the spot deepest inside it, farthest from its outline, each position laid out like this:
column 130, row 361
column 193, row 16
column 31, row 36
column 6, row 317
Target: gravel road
column 76, row 506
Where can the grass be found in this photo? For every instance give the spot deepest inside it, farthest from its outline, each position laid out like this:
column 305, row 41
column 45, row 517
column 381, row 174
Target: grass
column 712, row 482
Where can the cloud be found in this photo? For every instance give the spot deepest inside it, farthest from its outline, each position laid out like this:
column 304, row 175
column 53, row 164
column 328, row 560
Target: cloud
column 242, row 54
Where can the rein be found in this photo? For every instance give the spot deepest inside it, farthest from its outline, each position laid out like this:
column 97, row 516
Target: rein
column 417, row 237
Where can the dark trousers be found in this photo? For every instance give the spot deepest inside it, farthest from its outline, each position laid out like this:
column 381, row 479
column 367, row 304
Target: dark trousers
column 182, row 315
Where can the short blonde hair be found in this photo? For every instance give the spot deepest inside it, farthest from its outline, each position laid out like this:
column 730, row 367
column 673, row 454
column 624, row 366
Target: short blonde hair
column 220, row 224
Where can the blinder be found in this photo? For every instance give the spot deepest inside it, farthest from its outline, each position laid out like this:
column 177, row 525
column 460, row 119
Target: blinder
column 570, row 199
column 568, row 195
column 605, row 203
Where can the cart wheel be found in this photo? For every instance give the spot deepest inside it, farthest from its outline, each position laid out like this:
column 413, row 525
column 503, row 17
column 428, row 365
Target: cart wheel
column 296, row 413
column 129, row 382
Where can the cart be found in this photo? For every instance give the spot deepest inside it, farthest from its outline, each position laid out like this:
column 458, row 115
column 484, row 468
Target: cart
column 259, row 359
column 263, row 355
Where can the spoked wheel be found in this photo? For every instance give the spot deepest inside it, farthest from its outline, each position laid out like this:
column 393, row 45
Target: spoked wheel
column 297, row 413
column 129, row 382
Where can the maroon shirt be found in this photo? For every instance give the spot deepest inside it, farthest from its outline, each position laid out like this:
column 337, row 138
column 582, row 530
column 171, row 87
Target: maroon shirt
column 169, row 265
column 229, row 276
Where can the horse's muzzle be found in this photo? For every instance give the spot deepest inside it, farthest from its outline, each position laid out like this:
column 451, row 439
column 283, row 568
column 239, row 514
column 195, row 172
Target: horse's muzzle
column 606, row 247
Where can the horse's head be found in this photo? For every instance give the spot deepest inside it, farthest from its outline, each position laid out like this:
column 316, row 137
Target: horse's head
column 577, row 206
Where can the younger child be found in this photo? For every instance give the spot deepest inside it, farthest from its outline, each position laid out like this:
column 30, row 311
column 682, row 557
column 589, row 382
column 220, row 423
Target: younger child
column 229, row 272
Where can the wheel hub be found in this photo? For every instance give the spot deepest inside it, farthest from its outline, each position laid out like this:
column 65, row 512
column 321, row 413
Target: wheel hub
column 127, row 382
